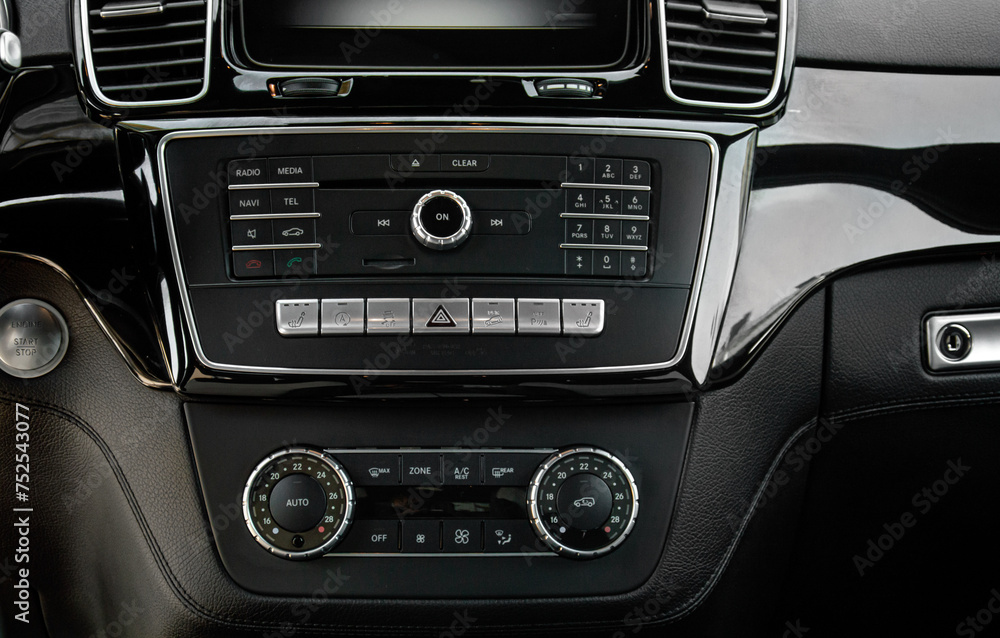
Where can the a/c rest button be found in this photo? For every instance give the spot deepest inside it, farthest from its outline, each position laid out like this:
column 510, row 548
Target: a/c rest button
column 469, row 163
column 33, row 338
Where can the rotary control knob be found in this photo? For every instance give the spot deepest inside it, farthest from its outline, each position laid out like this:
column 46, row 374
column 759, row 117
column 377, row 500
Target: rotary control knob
column 441, row 220
column 583, row 502
column 298, row 503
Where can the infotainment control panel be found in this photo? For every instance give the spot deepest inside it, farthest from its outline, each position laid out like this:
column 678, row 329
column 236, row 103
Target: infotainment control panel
column 437, row 250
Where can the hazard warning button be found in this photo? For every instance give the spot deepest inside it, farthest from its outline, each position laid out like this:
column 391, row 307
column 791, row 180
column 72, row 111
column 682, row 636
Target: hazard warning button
column 448, row 316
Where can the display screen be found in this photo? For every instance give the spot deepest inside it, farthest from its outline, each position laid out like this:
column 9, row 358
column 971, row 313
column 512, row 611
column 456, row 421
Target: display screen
column 436, row 34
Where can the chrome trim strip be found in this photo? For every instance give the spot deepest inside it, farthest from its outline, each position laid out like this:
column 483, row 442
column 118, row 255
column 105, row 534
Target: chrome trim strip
column 982, row 329
column 278, row 247
column 90, row 75
column 616, row 187
column 631, row 218
column 787, row 19
column 127, row 9
column 696, row 283
column 246, row 187
column 479, row 554
column 440, row 450
column 604, row 247
column 236, row 218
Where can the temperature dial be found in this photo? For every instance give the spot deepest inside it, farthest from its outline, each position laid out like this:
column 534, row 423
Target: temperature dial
column 583, row 502
column 298, row 503
column 441, row 220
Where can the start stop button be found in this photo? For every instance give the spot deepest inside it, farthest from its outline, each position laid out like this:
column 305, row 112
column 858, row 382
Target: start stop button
column 33, row 338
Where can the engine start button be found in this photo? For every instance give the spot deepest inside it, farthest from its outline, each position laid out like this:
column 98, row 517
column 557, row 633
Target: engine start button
column 33, row 338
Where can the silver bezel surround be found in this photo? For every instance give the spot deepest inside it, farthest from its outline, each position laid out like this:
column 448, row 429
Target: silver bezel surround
column 433, row 241
column 341, row 530
column 693, row 297
column 981, row 328
column 533, row 514
column 91, row 76
column 786, row 7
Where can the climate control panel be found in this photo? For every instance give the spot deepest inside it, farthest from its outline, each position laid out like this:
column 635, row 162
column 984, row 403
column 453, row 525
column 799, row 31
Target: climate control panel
column 302, row 503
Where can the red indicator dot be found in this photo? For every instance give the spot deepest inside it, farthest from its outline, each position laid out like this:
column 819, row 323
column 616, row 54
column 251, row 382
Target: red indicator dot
column 321, row 529
column 607, row 529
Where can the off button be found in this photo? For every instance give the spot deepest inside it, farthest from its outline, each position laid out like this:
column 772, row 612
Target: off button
column 33, row 338
column 466, row 163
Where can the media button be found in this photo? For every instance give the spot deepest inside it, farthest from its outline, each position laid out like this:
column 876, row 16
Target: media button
column 249, row 202
column 371, row 468
column 609, row 171
column 253, row 263
column 608, row 232
column 370, row 537
column 290, row 170
column 636, row 173
column 343, row 316
column 440, row 316
column 247, row 171
column 469, row 163
column 292, row 200
column 538, row 316
column 380, row 223
column 493, row 316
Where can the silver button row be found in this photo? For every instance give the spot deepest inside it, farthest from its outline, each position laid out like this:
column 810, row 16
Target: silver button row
column 306, row 317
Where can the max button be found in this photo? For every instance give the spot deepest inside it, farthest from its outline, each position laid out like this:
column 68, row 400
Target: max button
column 372, row 468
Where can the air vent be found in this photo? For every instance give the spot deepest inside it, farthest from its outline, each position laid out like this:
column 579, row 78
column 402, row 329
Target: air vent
column 147, row 52
column 724, row 54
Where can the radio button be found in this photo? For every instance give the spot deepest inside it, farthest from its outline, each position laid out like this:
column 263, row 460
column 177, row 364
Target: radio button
column 250, row 202
column 379, row 223
column 634, row 264
column 371, row 537
column 463, row 536
column 510, row 468
column 514, row 536
column 608, row 232
column 372, row 468
column 470, row 163
column 292, row 200
column 343, row 316
column 581, row 170
column 253, row 263
column 636, row 173
column 421, row 537
column 509, row 223
column 251, row 171
column 298, row 317
column 290, row 170
column 294, row 231
column 461, row 468
column 421, row 468
column 579, row 231
column 607, row 263
column 295, row 263
column 635, row 233
column 637, row 203
column 432, row 316
column 579, row 200
column 579, row 262
column 389, row 316
column 493, row 316
column 415, row 162
column 609, row 171
column 609, row 202
column 538, row 316
column 583, row 316
column 251, row 232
